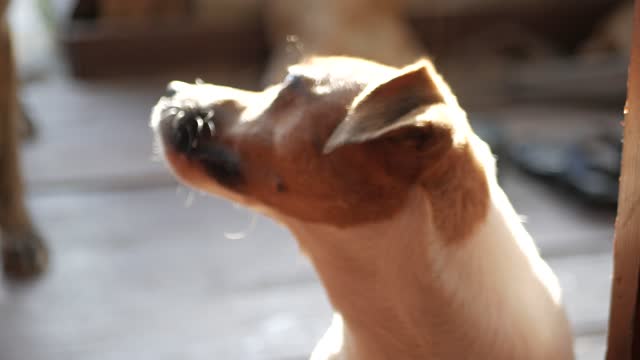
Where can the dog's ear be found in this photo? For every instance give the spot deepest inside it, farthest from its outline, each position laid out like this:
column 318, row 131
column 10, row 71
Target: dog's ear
column 388, row 106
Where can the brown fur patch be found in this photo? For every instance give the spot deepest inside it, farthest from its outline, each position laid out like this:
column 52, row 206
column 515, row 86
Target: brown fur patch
column 459, row 193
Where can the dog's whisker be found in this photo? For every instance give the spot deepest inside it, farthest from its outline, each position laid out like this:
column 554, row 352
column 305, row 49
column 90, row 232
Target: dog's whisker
column 200, row 123
column 244, row 233
column 211, row 127
column 156, row 152
column 190, row 199
column 209, row 116
column 189, row 194
column 295, row 45
column 180, row 189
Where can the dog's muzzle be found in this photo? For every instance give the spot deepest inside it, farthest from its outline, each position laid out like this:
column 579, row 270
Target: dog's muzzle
column 190, row 131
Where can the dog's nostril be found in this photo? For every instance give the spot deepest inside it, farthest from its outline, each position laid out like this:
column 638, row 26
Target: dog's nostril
column 185, row 132
column 181, row 137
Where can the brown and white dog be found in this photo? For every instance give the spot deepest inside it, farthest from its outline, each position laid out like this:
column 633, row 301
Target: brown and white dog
column 377, row 173
column 23, row 252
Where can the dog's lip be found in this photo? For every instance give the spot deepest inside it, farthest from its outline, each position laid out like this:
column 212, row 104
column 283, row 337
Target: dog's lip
column 224, row 165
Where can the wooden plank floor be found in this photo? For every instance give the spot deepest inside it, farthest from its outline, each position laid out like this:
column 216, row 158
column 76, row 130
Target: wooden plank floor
column 141, row 267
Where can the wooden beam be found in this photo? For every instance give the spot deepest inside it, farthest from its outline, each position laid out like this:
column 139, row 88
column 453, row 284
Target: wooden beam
column 624, row 335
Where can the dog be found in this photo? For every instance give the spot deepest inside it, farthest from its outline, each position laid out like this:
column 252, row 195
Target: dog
column 379, row 176
column 23, row 251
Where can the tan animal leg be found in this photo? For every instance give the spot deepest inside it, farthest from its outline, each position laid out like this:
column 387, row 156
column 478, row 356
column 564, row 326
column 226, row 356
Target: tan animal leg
column 23, row 251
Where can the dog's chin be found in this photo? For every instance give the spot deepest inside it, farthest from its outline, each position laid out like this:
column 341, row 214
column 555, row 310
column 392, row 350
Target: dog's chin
column 195, row 174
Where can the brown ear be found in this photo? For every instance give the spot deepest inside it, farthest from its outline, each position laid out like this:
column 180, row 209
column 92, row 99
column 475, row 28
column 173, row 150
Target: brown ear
column 387, row 106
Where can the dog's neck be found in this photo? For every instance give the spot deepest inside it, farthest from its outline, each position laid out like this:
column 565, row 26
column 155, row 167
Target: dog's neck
column 403, row 293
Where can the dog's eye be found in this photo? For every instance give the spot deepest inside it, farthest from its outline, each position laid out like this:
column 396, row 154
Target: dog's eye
column 294, row 87
column 297, row 82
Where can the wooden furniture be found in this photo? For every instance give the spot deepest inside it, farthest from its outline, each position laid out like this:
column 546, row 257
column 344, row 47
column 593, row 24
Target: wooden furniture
column 106, row 48
column 624, row 319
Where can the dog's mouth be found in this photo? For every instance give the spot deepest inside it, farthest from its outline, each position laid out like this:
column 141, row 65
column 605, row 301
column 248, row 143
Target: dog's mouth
column 190, row 133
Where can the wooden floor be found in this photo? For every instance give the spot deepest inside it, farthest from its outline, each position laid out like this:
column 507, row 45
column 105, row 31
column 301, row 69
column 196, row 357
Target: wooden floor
column 141, row 267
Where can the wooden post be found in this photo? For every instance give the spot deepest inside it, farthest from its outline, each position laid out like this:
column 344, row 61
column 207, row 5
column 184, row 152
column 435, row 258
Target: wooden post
column 624, row 315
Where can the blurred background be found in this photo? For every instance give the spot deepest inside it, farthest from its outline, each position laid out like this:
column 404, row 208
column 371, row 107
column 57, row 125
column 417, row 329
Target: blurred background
column 144, row 268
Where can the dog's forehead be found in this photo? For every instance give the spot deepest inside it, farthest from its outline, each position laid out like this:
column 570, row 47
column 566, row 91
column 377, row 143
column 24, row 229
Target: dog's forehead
column 342, row 69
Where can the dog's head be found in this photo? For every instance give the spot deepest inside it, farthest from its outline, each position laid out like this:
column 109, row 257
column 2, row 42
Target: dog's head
column 340, row 141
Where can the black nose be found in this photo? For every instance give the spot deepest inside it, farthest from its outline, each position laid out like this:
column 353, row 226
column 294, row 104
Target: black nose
column 190, row 128
column 184, row 134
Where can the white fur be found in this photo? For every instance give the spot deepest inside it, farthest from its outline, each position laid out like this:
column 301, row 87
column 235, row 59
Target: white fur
column 401, row 292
